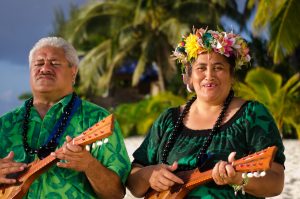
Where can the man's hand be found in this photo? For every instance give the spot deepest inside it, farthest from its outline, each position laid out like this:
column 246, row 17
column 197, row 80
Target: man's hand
column 74, row 157
column 9, row 166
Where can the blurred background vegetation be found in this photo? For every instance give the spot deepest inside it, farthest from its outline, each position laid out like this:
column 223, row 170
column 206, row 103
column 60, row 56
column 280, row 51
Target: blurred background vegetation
column 125, row 48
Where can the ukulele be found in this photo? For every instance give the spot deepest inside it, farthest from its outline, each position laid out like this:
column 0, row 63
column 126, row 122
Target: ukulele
column 98, row 131
column 254, row 163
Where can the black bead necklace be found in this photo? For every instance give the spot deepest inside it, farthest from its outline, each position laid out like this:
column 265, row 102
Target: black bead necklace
column 50, row 146
column 179, row 123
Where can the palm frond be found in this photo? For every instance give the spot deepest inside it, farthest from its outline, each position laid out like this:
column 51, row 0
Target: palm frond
column 266, row 10
column 285, row 28
column 282, row 17
column 264, row 87
column 293, row 84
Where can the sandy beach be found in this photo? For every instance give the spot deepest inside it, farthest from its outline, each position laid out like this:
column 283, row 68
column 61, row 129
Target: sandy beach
column 292, row 172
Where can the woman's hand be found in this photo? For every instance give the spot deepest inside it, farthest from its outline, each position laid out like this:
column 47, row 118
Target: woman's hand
column 224, row 173
column 158, row 177
column 162, row 177
column 74, row 156
column 9, row 166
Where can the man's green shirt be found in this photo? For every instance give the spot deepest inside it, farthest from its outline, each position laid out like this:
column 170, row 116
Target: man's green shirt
column 59, row 183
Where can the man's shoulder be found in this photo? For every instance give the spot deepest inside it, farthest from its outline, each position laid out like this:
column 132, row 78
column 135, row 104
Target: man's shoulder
column 88, row 106
column 14, row 113
column 11, row 119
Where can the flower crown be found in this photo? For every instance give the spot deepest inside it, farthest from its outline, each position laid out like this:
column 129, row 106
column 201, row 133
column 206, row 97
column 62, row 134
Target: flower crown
column 203, row 40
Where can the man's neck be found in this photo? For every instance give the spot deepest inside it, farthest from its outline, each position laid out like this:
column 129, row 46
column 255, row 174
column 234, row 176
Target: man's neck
column 43, row 102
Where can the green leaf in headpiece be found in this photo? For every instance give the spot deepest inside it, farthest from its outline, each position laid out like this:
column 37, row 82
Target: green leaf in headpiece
column 181, row 49
column 207, row 40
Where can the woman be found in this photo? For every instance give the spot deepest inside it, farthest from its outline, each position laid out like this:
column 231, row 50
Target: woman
column 212, row 129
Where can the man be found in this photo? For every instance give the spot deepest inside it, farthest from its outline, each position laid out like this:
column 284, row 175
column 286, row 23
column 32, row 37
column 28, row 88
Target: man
column 50, row 120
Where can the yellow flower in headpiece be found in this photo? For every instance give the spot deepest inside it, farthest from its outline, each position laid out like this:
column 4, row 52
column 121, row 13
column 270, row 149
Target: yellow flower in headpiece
column 192, row 46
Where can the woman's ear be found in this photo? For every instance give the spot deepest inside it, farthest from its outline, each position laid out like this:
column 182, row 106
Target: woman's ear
column 185, row 78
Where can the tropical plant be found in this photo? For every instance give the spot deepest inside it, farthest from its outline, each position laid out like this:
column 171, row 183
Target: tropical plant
column 136, row 118
column 282, row 100
column 280, row 19
column 110, row 32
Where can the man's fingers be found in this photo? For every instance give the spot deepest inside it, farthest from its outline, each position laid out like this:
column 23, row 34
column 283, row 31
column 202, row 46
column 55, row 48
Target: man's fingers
column 74, row 148
column 7, row 181
column 9, row 157
column 11, row 167
column 9, row 170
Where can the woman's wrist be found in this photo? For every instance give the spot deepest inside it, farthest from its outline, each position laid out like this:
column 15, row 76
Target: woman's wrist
column 241, row 185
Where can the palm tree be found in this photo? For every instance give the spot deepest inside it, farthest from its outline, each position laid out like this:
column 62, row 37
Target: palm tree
column 111, row 32
column 282, row 100
column 280, row 17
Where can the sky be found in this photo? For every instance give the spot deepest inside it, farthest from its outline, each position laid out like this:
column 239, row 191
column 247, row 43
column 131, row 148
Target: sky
column 22, row 23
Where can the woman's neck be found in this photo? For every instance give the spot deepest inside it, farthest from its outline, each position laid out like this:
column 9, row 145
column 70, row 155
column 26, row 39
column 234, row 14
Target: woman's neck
column 203, row 107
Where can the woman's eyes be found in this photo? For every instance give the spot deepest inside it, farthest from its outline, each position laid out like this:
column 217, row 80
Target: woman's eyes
column 216, row 68
column 201, row 67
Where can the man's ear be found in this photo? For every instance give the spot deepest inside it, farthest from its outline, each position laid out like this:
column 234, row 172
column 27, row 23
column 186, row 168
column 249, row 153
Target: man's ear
column 74, row 71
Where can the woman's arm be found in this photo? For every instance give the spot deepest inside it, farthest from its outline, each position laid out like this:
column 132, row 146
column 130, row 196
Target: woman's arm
column 269, row 185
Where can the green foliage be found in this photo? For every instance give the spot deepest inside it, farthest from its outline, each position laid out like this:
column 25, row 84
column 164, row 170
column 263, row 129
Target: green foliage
column 282, row 100
column 137, row 118
column 25, row 96
column 281, row 17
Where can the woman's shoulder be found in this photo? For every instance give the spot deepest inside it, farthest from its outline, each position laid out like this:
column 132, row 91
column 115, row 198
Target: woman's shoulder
column 239, row 103
column 256, row 106
column 168, row 114
column 248, row 108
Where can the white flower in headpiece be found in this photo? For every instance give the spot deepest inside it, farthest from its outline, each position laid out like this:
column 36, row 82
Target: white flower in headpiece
column 219, row 45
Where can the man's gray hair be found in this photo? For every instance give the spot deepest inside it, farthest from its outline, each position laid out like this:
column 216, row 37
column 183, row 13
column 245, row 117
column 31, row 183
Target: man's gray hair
column 58, row 42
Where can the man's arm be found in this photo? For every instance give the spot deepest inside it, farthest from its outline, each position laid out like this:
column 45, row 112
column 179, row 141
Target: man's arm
column 106, row 183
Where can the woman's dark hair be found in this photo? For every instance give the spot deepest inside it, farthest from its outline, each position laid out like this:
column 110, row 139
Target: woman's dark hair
column 231, row 61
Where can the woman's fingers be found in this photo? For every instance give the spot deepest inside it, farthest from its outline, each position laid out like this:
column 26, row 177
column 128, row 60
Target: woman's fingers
column 163, row 178
column 172, row 178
